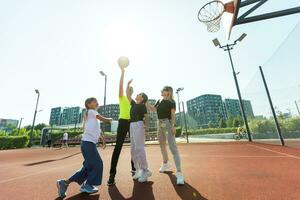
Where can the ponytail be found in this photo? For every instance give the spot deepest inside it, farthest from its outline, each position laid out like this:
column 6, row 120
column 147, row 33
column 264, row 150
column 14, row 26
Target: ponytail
column 86, row 104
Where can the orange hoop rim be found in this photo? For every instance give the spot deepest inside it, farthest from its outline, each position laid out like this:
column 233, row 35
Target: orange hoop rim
column 227, row 7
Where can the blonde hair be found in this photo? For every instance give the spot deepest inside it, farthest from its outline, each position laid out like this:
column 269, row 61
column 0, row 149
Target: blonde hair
column 169, row 89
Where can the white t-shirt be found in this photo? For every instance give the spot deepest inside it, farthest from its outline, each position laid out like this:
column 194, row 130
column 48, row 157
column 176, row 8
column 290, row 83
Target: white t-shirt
column 65, row 137
column 91, row 131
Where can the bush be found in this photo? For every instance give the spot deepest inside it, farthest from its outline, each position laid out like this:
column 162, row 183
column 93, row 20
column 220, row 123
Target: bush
column 59, row 135
column 13, row 142
column 178, row 132
column 212, row 131
column 262, row 126
column 222, row 123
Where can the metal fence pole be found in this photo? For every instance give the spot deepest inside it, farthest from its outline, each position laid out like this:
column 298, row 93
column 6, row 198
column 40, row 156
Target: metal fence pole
column 272, row 107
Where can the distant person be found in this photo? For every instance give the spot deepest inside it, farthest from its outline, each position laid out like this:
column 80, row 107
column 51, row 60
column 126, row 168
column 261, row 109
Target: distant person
column 49, row 140
column 239, row 132
column 167, row 124
column 122, row 130
column 65, row 139
column 90, row 174
column 139, row 122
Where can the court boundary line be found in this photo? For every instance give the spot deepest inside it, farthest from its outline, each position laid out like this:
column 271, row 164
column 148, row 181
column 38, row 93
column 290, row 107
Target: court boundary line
column 241, row 156
column 36, row 173
column 274, row 151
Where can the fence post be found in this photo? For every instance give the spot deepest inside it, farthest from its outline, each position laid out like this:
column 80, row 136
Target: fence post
column 272, row 107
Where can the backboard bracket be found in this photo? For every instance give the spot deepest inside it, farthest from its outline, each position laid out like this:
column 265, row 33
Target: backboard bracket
column 243, row 19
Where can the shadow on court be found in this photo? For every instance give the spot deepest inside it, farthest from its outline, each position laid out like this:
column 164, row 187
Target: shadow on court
column 186, row 191
column 140, row 191
column 81, row 196
column 52, row 160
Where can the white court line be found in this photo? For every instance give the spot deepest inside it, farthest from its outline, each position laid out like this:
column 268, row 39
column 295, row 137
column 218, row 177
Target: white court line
column 33, row 174
column 278, row 152
column 238, row 156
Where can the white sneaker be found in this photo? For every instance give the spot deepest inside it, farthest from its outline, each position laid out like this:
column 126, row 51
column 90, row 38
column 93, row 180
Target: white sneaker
column 145, row 175
column 165, row 167
column 137, row 175
column 180, row 178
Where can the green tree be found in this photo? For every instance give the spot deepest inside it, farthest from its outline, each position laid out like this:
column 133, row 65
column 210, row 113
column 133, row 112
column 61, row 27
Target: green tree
column 28, row 127
column 237, row 121
column 222, row 123
column 2, row 133
column 40, row 126
column 229, row 121
column 210, row 125
column 16, row 132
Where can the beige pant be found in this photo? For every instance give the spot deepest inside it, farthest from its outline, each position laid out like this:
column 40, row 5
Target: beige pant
column 165, row 127
column 137, row 140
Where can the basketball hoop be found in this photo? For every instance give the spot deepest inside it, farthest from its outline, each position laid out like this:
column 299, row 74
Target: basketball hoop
column 211, row 13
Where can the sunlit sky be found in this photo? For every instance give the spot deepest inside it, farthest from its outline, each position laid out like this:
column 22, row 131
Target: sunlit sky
column 59, row 46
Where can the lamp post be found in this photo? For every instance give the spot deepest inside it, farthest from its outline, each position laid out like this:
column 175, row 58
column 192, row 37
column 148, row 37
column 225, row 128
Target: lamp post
column 297, row 108
column 35, row 111
column 20, row 125
column 227, row 48
column 104, row 100
column 185, row 123
column 180, row 117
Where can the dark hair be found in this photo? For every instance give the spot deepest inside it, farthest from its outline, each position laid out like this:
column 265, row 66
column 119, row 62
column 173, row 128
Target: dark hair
column 145, row 97
column 87, row 102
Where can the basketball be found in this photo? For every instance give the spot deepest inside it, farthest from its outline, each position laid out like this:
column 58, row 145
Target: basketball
column 123, row 61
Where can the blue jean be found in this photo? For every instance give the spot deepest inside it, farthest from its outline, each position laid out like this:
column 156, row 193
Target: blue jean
column 92, row 169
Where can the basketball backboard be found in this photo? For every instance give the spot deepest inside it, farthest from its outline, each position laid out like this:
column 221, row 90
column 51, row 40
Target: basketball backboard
column 228, row 19
column 227, row 13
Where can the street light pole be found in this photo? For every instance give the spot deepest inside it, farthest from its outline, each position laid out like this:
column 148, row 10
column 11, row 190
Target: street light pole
column 186, row 130
column 297, row 108
column 185, row 123
column 104, row 100
column 180, row 117
column 20, row 125
column 227, row 48
column 35, row 111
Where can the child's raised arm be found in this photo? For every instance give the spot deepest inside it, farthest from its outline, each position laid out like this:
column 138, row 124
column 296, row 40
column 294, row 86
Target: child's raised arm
column 121, row 93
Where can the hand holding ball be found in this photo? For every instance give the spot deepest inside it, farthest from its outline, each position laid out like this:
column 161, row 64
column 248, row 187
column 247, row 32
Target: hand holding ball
column 123, row 62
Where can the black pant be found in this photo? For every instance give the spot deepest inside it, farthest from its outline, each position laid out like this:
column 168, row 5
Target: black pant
column 123, row 129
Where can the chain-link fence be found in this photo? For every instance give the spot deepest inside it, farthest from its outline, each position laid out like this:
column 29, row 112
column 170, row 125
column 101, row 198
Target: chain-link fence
column 282, row 75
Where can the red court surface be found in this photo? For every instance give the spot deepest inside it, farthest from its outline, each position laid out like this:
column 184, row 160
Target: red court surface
column 218, row 171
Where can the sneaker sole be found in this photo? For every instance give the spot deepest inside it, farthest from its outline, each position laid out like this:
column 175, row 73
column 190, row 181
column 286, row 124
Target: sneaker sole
column 148, row 175
column 87, row 192
column 167, row 170
column 134, row 178
column 180, row 184
column 143, row 181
